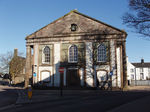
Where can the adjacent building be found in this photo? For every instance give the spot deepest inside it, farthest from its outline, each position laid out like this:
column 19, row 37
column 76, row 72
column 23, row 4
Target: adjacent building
column 90, row 52
column 139, row 72
column 17, row 68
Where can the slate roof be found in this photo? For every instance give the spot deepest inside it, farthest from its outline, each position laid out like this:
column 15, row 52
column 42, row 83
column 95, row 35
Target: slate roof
column 142, row 64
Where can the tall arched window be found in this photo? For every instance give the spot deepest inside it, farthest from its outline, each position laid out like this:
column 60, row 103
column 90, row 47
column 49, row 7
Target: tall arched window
column 46, row 54
column 101, row 53
column 73, row 53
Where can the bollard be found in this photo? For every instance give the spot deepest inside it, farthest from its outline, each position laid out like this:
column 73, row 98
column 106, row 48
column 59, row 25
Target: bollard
column 29, row 92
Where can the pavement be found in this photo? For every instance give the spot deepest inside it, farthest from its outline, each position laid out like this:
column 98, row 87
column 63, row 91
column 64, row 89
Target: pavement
column 138, row 88
column 49, row 95
column 137, row 102
column 37, row 96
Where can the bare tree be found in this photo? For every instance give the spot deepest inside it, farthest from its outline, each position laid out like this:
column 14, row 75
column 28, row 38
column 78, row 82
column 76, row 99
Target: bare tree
column 4, row 61
column 12, row 63
column 138, row 17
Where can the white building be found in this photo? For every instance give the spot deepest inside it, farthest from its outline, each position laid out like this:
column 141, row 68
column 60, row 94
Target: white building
column 138, row 71
column 88, row 50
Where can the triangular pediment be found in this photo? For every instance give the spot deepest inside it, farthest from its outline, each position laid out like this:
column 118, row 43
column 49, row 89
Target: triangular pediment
column 85, row 25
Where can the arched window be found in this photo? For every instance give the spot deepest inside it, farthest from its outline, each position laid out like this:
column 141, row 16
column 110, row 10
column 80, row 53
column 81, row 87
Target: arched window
column 73, row 53
column 101, row 53
column 46, row 54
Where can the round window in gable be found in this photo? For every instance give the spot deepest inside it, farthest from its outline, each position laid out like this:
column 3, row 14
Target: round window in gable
column 74, row 27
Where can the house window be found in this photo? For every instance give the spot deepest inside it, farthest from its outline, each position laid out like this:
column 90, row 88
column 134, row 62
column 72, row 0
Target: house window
column 141, row 70
column 148, row 73
column 46, row 54
column 73, row 53
column 141, row 76
column 132, row 76
column 148, row 70
column 132, row 70
column 101, row 53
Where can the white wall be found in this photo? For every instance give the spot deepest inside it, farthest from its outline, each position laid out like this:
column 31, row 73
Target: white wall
column 118, row 67
column 46, row 68
column 56, row 64
column 56, row 73
column 129, row 72
column 113, row 62
column 97, row 70
column 89, row 64
column 145, row 72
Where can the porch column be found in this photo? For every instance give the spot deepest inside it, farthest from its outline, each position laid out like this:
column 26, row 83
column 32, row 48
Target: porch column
column 125, row 82
column 113, row 62
column 35, row 63
column 119, row 65
column 28, row 66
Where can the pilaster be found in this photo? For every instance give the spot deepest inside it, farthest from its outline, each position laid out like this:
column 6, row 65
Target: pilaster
column 28, row 66
column 113, row 62
column 124, row 64
column 89, row 64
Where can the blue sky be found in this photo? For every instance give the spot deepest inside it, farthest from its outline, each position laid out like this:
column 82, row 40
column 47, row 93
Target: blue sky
column 19, row 18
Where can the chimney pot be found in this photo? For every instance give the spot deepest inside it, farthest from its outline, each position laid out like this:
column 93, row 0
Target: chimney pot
column 15, row 52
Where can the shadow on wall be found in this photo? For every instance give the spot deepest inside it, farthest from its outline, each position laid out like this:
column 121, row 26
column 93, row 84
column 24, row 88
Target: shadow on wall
column 45, row 79
column 54, row 79
column 104, row 82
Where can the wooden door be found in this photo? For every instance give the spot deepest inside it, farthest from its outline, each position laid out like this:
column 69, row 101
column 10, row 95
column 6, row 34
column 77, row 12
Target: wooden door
column 73, row 78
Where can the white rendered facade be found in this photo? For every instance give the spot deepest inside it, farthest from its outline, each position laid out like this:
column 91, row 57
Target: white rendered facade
column 77, row 52
column 138, row 71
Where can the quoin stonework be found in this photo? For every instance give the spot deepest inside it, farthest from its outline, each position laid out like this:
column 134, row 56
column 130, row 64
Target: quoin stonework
column 90, row 51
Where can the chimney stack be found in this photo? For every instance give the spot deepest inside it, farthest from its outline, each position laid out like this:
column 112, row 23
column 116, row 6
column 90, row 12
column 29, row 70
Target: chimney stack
column 15, row 52
column 142, row 61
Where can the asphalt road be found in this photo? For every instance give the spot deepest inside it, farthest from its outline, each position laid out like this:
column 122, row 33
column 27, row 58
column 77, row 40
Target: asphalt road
column 139, row 105
column 8, row 96
column 87, row 102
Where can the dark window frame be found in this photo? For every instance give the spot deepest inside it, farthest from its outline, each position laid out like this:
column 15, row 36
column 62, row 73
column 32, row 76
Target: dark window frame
column 101, row 53
column 73, row 54
column 47, row 54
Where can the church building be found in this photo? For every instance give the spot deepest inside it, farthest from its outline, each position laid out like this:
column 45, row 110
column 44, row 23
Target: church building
column 88, row 51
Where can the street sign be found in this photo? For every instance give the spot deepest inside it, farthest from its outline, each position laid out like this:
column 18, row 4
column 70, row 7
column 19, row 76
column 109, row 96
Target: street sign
column 61, row 69
column 111, row 73
column 34, row 74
